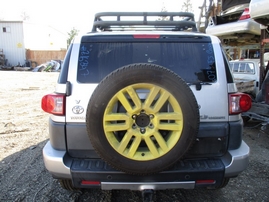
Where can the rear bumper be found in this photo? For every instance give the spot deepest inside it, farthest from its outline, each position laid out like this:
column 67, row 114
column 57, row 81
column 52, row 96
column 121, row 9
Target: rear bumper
column 259, row 9
column 236, row 160
column 56, row 162
column 244, row 26
column 185, row 174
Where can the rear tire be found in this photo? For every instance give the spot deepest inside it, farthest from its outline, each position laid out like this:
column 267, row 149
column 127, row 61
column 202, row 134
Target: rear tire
column 67, row 184
column 222, row 185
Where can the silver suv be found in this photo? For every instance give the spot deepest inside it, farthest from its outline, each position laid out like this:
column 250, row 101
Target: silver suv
column 145, row 104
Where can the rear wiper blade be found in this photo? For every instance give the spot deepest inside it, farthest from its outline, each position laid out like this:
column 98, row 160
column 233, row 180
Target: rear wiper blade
column 198, row 85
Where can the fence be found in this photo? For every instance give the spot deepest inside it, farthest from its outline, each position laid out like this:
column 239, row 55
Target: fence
column 37, row 57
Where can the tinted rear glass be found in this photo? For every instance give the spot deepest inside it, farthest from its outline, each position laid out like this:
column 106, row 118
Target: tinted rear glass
column 194, row 62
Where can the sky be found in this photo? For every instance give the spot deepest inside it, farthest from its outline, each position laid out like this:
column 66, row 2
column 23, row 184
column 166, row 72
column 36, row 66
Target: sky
column 64, row 15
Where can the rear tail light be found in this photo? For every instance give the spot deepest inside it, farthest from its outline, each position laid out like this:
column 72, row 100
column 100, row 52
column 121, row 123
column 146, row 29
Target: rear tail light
column 87, row 182
column 245, row 14
column 239, row 102
column 205, row 181
column 53, row 104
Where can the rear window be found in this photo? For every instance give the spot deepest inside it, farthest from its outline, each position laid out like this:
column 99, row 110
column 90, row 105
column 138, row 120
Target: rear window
column 194, row 62
column 242, row 67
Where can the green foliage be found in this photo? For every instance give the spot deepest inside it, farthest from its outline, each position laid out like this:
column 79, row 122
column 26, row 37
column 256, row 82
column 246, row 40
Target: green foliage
column 74, row 32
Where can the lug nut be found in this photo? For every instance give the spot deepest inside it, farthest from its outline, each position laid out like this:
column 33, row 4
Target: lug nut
column 134, row 116
column 142, row 130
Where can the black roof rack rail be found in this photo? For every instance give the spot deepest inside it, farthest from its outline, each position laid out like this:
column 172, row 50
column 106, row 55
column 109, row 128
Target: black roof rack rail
column 113, row 21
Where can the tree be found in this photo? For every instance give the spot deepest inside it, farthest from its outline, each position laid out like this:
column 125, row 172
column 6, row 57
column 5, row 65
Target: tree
column 163, row 18
column 24, row 16
column 74, row 32
column 187, row 6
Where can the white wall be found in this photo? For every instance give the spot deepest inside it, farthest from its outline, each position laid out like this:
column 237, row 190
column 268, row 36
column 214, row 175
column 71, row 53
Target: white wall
column 12, row 42
column 43, row 37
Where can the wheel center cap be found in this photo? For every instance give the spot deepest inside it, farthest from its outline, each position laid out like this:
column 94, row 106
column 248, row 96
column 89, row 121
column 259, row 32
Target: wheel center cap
column 142, row 120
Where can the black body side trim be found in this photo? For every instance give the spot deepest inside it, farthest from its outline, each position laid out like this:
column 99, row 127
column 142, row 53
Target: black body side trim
column 236, row 132
column 213, row 139
column 57, row 135
column 64, row 70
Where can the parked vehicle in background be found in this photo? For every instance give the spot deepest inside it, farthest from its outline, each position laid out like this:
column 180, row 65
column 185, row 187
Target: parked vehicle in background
column 259, row 11
column 119, row 120
column 246, row 73
column 234, row 26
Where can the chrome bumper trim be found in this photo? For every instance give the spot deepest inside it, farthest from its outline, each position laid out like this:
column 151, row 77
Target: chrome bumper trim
column 139, row 186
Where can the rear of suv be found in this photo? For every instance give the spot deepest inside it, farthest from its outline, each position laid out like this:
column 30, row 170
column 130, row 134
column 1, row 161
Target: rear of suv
column 145, row 104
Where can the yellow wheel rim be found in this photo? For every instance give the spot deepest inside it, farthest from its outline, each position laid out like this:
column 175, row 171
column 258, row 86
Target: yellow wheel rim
column 143, row 122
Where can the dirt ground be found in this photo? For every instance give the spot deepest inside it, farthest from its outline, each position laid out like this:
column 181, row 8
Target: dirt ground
column 24, row 132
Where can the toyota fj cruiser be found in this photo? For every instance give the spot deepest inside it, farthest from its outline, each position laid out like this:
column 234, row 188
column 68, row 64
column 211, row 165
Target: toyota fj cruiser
column 145, row 104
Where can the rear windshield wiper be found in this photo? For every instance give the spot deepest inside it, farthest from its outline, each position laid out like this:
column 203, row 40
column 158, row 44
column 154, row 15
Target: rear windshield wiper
column 198, row 85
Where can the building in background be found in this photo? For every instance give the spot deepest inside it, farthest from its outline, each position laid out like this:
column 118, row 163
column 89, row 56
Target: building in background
column 12, row 44
column 19, row 37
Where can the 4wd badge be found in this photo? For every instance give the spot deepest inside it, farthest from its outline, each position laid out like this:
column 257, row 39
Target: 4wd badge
column 77, row 109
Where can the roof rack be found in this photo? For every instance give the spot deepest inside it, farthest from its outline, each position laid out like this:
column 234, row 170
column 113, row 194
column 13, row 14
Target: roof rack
column 125, row 21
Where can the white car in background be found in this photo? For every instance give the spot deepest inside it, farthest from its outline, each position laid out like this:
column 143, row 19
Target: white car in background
column 246, row 73
column 259, row 11
column 234, row 26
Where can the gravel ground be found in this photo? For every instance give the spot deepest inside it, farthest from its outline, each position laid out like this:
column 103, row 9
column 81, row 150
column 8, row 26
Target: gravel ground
column 24, row 132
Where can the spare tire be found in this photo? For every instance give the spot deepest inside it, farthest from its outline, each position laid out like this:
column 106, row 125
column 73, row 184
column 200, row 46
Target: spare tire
column 142, row 118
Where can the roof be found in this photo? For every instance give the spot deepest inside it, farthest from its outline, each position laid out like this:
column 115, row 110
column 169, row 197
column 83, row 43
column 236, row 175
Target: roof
column 2, row 21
